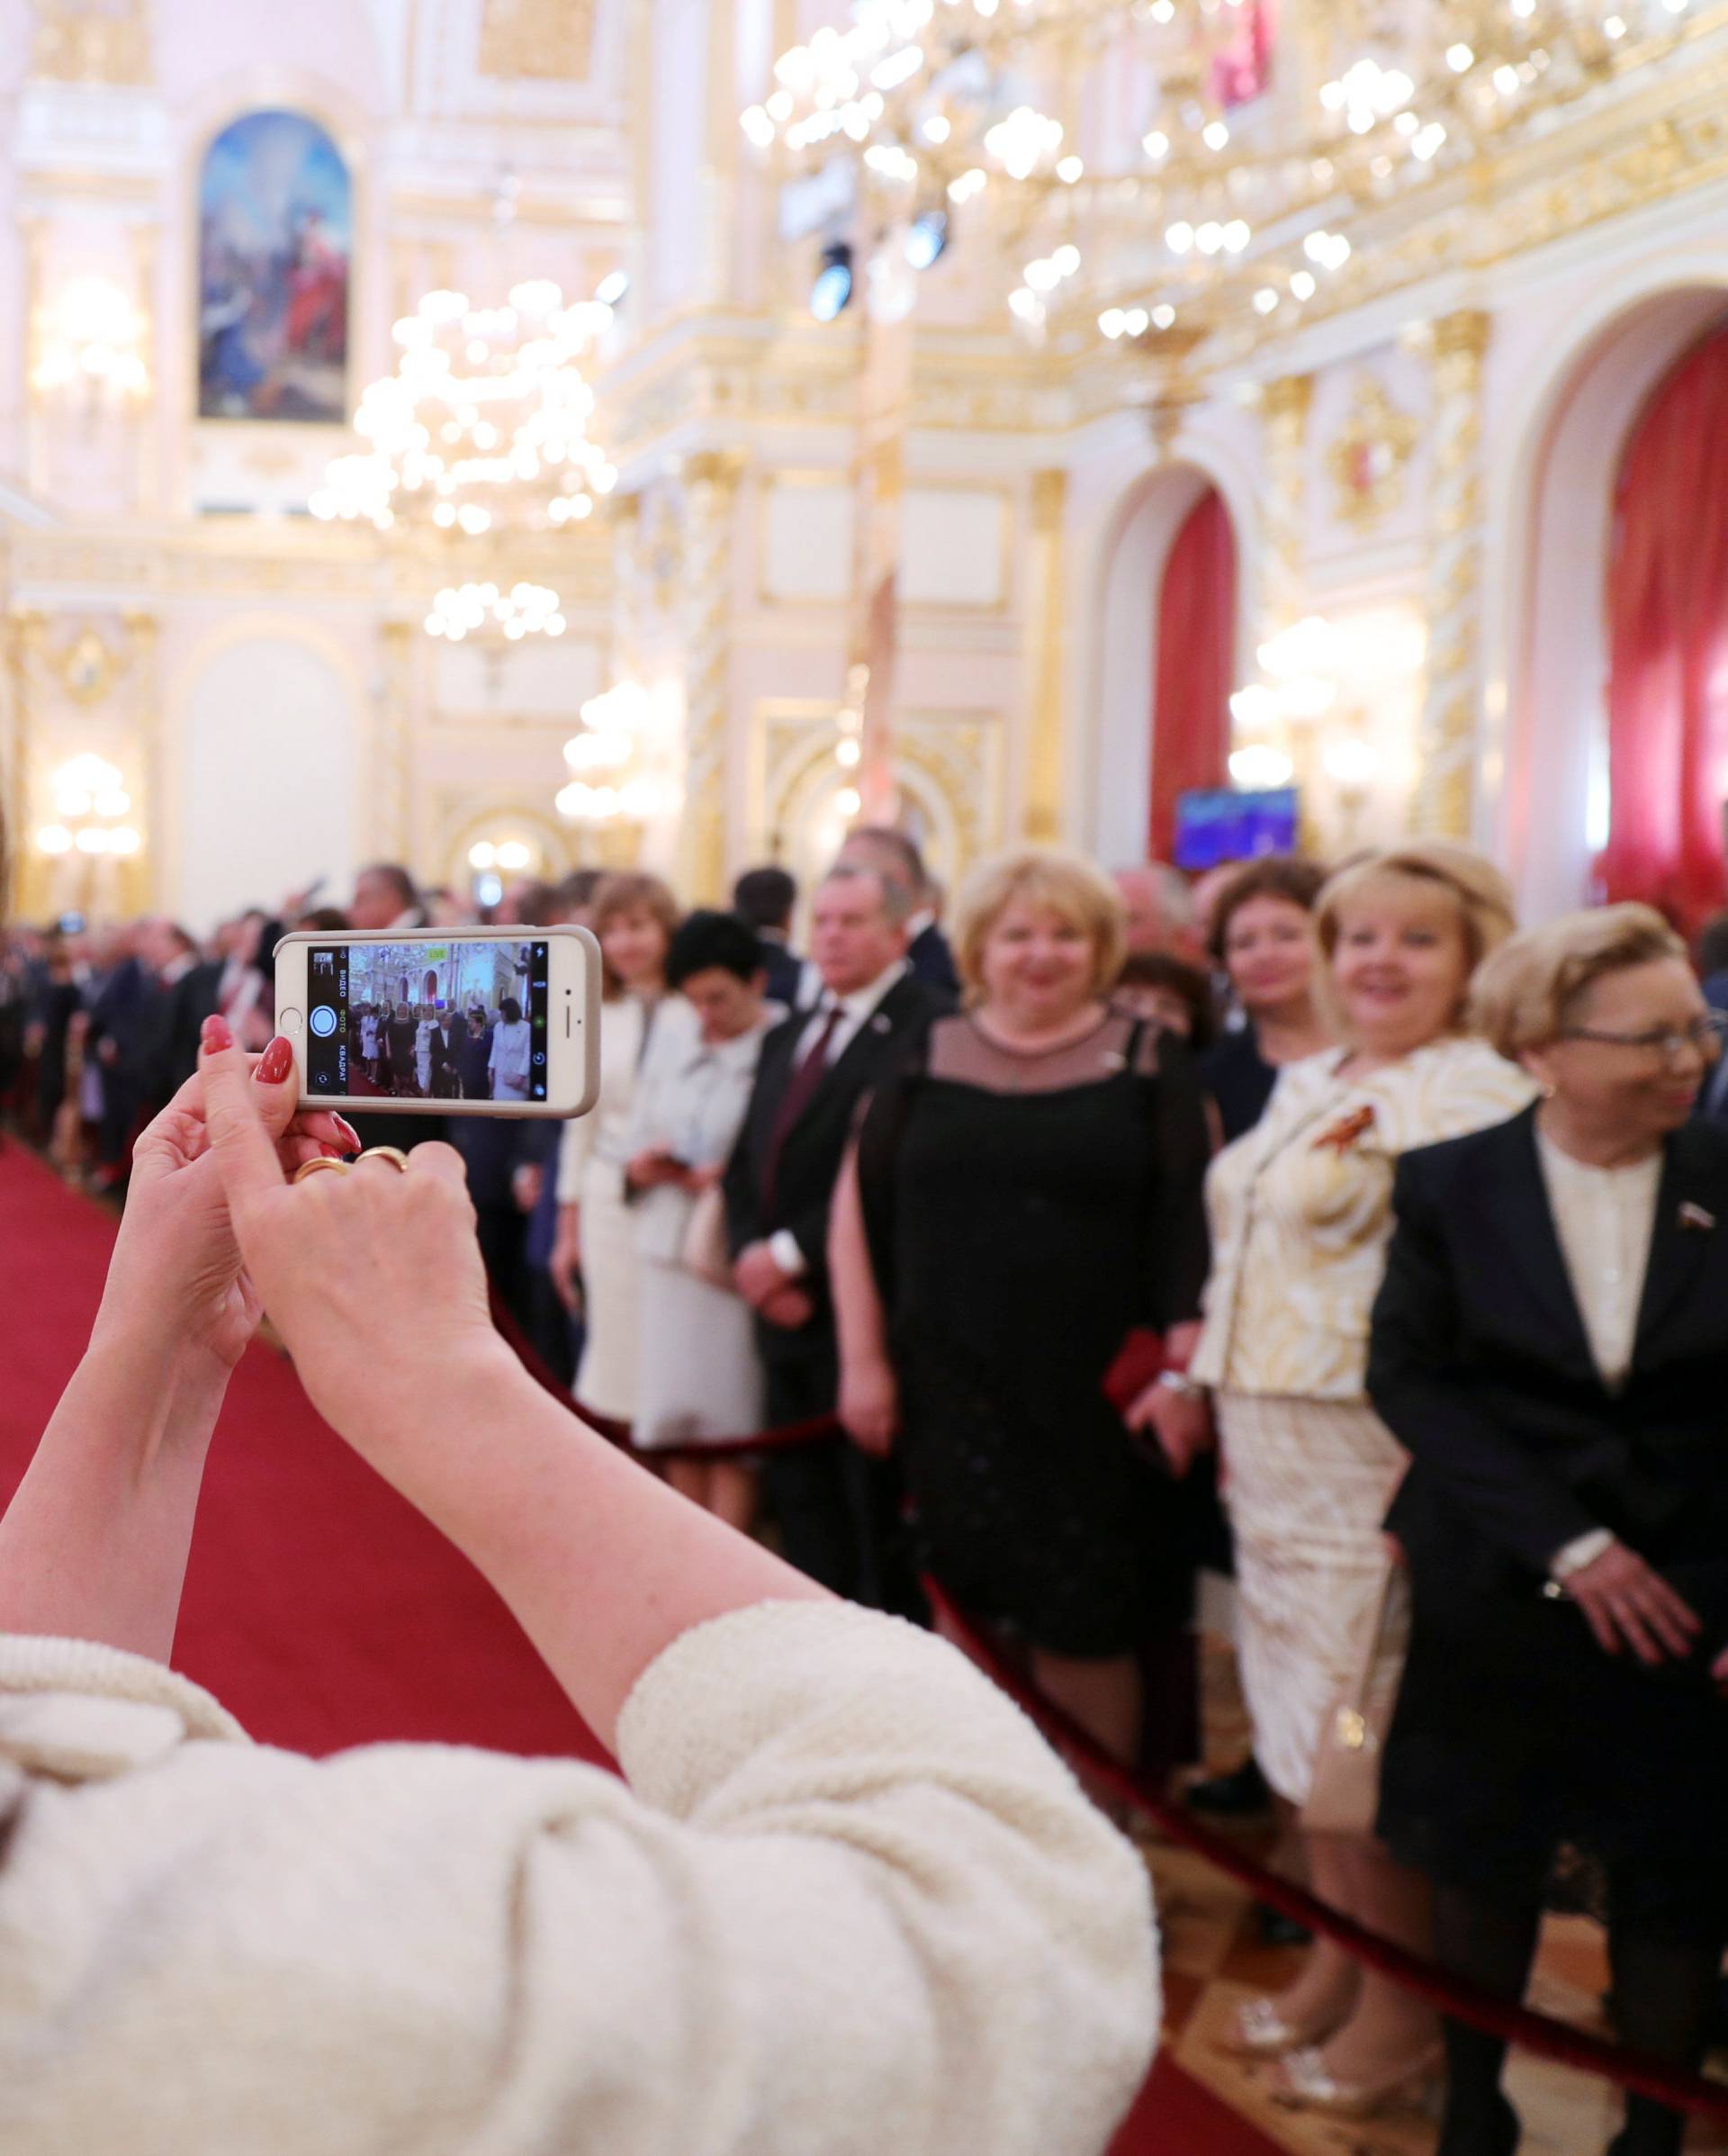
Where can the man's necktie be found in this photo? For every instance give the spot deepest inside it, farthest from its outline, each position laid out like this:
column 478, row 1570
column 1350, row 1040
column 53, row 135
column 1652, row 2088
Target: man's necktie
column 807, row 1074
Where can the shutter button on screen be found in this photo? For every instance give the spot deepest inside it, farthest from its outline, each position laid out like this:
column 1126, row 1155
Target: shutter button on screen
column 323, row 1021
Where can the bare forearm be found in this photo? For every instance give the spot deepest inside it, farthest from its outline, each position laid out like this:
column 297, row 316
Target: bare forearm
column 94, row 1543
column 857, row 1307
column 602, row 1564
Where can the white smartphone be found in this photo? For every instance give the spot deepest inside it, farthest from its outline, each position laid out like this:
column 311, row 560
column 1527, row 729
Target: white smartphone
column 444, row 1021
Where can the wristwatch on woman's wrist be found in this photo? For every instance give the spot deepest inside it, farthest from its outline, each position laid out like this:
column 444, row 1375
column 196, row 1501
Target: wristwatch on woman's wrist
column 1180, row 1383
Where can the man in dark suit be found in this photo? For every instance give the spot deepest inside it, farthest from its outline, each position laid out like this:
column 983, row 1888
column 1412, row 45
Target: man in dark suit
column 765, row 897
column 838, row 1509
column 892, row 854
column 118, row 1003
column 183, row 995
column 448, row 1040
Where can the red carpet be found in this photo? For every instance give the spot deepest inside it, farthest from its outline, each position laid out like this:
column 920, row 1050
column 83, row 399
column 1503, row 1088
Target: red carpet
column 320, row 1607
column 1175, row 2115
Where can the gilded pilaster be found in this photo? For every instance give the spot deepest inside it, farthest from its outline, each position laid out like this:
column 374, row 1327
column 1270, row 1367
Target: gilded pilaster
column 711, row 483
column 1447, row 742
column 149, row 869
column 15, row 839
column 394, row 760
column 1048, row 659
column 1285, row 406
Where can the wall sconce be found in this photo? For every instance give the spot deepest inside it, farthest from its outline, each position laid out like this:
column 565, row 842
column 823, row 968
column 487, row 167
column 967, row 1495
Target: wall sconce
column 91, row 333
column 1259, row 768
column 91, row 803
column 610, row 759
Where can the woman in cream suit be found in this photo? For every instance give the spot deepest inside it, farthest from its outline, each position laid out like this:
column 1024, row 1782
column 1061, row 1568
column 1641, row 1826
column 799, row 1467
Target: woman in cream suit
column 633, row 917
column 698, row 1373
column 1302, row 1215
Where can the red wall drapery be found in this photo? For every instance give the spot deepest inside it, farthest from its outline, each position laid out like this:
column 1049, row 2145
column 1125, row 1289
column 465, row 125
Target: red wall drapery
column 1668, row 642
column 1191, row 697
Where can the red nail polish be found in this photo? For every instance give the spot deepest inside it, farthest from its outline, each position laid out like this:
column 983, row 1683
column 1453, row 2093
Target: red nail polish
column 276, row 1061
column 348, row 1133
column 213, row 1034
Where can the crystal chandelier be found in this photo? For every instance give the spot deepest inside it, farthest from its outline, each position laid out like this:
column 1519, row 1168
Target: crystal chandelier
column 1226, row 209
column 482, row 430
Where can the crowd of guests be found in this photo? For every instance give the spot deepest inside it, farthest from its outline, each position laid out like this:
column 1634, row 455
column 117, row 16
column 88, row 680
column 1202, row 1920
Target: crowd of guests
column 417, row 1051
column 1417, row 1224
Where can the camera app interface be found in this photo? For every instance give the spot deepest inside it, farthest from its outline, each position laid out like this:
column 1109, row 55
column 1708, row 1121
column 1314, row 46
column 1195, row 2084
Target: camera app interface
column 463, row 1020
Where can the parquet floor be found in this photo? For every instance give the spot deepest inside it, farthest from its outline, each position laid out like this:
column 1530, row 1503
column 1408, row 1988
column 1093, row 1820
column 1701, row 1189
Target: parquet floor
column 1213, row 1958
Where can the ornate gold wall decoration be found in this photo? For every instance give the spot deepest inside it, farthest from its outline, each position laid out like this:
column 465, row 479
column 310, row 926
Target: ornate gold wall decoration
column 711, row 493
column 545, row 40
column 90, row 42
column 1286, row 408
column 1046, row 659
column 950, row 766
column 1446, row 740
column 394, row 763
column 1369, row 455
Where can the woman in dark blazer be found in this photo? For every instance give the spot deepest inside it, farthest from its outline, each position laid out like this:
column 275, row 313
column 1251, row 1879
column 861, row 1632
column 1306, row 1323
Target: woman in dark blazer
column 1551, row 1345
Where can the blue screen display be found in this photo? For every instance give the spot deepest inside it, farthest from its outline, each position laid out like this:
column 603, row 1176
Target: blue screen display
column 1216, row 824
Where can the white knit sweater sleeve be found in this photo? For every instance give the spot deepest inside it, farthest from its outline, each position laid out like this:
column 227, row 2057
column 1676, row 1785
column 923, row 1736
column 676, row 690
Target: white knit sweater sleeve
column 851, row 1905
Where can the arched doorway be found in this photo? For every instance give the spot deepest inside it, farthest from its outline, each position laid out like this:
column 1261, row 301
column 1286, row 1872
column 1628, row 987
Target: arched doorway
column 1167, row 662
column 1557, row 811
column 1668, row 645
column 1196, row 665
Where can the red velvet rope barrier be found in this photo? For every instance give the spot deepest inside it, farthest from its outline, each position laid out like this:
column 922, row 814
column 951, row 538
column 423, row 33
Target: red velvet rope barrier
column 1539, row 2034
column 618, row 1433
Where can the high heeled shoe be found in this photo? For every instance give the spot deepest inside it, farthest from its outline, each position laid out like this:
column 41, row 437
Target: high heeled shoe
column 1305, row 2084
column 1257, row 2030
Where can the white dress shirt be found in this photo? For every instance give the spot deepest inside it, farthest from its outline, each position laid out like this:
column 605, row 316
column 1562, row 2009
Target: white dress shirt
column 856, row 1011
column 1605, row 1218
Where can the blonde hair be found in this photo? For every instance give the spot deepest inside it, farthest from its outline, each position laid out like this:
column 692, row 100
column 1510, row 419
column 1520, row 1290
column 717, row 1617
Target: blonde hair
column 1068, row 886
column 1480, row 897
column 1530, row 988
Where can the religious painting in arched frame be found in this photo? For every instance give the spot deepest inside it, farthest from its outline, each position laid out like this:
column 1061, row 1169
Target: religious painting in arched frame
column 275, row 239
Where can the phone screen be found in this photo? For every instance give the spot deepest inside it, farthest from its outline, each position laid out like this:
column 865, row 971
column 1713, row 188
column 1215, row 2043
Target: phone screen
column 466, row 1019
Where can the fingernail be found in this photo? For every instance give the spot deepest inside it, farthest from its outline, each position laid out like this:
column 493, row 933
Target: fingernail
column 213, row 1034
column 350, row 1135
column 276, row 1061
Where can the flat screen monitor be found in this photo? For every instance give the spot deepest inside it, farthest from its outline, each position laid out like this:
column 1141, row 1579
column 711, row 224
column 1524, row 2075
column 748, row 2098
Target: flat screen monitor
column 1219, row 824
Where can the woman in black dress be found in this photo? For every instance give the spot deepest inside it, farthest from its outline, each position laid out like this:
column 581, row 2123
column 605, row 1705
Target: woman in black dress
column 1027, row 1199
column 1550, row 1345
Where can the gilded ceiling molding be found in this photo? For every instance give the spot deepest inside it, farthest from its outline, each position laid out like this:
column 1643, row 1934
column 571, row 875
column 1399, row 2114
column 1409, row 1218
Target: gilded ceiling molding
column 539, row 41
column 90, row 42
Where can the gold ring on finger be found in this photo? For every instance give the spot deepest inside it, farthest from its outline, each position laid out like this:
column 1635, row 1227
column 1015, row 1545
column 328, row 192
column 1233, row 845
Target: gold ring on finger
column 393, row 1155
column 310, row 1167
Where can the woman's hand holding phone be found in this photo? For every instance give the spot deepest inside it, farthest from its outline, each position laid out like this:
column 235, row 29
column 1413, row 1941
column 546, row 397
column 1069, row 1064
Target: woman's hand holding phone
column 373, row 1277
column 177, row 1271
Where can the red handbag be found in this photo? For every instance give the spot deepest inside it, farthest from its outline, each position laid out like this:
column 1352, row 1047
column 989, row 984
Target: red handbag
column 1136, row 1362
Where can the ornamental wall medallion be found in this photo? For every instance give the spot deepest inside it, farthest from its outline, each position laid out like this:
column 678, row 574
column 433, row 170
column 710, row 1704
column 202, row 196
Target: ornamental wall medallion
column 550, row 41
column 1368, row 456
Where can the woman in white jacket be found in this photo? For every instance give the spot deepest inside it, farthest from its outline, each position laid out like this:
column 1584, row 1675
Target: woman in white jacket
column 699, row 1375
column 846, row 1900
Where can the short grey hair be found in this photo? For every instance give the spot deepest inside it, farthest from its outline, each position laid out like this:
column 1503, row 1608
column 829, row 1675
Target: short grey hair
column 898, row 903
